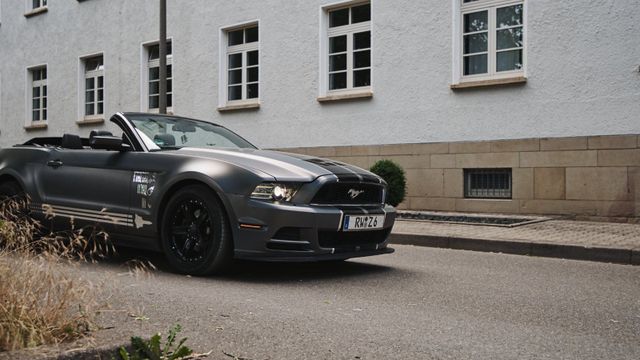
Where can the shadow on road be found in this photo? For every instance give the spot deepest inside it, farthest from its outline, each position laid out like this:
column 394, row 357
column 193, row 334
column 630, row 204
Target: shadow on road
column 260, row 272
column 263, row 272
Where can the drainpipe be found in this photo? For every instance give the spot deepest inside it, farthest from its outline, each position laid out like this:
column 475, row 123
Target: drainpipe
column 162, row 107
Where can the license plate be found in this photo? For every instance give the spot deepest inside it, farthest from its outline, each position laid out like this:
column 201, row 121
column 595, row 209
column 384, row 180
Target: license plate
column 362, row 222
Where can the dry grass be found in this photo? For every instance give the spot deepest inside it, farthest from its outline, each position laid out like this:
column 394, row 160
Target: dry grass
column 42, row 299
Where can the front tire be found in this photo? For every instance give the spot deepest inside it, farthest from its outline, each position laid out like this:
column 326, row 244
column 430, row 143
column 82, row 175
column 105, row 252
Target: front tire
column 195, row 234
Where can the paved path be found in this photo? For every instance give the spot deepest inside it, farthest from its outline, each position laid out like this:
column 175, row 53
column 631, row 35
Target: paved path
column 596, row 241
column 597, row 234
column 419, row 303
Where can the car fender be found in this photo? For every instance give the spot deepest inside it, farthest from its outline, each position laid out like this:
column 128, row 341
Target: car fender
column 23, row 168
column 223, row 185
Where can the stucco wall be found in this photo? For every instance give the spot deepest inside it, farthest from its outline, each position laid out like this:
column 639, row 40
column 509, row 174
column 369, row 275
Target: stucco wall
column 583, row 78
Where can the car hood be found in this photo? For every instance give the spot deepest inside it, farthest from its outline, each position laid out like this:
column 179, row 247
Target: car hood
column 285, row 166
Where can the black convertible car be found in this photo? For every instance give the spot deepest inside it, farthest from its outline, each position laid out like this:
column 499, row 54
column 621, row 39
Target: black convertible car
column 201, row 194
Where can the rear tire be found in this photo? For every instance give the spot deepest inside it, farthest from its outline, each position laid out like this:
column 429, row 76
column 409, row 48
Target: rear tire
column 10, row 189
column 195, row 234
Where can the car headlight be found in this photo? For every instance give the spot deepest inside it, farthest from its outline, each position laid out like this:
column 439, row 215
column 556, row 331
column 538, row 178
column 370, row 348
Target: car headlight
column 275, row 191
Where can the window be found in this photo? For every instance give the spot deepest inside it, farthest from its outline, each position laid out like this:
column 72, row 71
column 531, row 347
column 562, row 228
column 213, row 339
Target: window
column 94, row 87
column 34, row 7
column 491, row 39
column 38, row 78
column 487, row 183
column 153, row 76
column 37, row 4
column 347, row 53
column 240, row 73
column 1, row 120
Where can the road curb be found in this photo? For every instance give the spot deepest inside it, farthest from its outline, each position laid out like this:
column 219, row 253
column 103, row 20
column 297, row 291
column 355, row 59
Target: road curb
column 574, row 252
column 106, row 352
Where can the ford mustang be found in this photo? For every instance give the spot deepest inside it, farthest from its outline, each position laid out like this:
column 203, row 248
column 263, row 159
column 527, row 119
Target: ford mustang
column 200, row 193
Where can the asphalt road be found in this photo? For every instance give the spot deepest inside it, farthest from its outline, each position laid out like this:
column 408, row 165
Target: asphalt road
column 419, row 303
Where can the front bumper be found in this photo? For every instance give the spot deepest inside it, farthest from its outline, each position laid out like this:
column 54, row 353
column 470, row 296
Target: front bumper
column 300, row 233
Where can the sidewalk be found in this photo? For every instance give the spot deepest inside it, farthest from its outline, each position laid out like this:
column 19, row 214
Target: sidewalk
column 595, row 241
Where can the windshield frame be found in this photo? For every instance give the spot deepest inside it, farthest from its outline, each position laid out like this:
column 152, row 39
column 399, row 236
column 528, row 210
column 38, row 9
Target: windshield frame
column 130, row 124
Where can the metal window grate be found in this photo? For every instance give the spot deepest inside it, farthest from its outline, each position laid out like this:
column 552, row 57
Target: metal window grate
column 487, row 183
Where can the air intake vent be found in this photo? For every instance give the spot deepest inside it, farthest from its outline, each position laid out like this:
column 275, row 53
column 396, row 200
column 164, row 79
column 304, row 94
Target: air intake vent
column 348, row 241
column 288, row 233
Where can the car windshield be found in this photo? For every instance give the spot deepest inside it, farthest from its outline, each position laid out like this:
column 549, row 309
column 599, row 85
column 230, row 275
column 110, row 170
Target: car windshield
column 170, row 133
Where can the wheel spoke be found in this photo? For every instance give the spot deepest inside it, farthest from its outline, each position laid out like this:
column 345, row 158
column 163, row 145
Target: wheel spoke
column 189, row 214
column 204, row 216
column 186, row 247
column 179, row 230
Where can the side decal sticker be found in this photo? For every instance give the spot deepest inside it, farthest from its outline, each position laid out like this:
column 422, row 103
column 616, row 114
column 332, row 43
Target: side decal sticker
column 140, row 222
column 145, row 183
column 101, row 216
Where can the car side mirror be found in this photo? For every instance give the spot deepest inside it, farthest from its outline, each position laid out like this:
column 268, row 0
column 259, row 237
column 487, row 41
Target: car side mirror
column 113, row 143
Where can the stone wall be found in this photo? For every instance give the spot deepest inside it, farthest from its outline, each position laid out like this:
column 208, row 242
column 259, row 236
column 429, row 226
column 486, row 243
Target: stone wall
column 586, row 177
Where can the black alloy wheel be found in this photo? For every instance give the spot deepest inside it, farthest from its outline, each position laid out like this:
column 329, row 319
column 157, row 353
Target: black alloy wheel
column 191, row 230
column 195, row 235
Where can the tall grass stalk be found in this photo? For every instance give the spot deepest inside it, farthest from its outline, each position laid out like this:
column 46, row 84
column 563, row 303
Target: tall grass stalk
column 43, row 300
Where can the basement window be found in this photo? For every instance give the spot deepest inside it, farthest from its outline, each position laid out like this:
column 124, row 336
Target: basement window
column 487, row 183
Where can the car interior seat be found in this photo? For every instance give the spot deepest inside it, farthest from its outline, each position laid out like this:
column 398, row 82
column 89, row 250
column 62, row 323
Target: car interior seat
column 164, row 140
column 70, row 141
column 94, row 133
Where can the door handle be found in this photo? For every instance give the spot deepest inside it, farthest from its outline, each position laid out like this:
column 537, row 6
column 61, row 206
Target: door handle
column 54, row 163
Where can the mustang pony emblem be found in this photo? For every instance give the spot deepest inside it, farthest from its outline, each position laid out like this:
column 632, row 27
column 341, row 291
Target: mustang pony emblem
column 353, row 193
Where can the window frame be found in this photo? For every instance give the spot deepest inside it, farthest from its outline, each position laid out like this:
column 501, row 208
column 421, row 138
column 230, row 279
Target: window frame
column 41, row 4
column 1, row 92
column 30, row 10
column 225, row 50
column 496, row 193
column 83, row 118
column 42, row 121
column 325, row 94
column 144, row 75
column 460, row 9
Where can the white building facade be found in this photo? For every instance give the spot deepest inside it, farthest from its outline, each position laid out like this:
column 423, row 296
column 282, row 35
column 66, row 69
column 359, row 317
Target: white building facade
column 537, row 95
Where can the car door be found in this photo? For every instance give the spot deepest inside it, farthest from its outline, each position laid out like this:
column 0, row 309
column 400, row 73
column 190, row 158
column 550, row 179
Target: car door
column 92, row 187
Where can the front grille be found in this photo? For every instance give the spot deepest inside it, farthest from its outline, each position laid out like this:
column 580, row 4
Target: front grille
column 350, row 194
column 352, row 241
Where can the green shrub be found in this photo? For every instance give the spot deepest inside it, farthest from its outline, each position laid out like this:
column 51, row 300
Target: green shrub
column 153, row 349
column 393, row 174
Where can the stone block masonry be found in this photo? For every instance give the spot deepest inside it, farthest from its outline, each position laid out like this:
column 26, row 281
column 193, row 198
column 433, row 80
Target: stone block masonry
column 590, row 177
